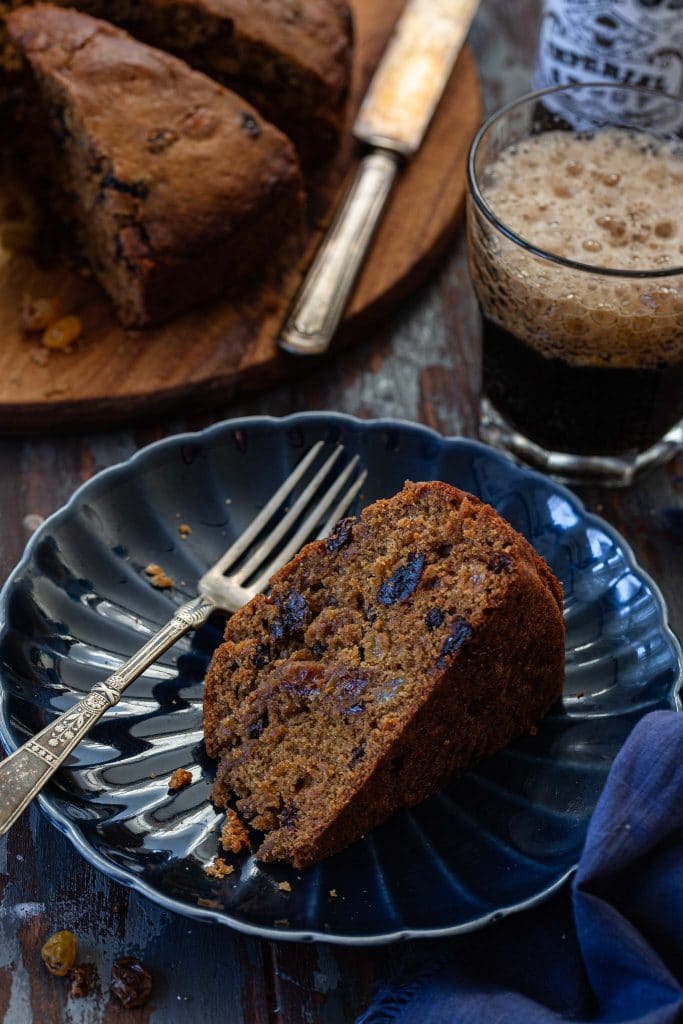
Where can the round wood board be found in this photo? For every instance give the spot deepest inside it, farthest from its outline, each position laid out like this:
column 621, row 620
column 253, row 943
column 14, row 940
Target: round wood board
column 209, row 354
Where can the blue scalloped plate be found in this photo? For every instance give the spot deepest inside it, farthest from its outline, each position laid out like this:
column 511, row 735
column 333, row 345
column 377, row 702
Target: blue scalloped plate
column 499, row 839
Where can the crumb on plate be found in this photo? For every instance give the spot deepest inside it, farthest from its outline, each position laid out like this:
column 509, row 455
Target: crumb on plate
column 180, row 778
column 157, row 577
column 234, row 834
column 218, row 868
column 284, row 887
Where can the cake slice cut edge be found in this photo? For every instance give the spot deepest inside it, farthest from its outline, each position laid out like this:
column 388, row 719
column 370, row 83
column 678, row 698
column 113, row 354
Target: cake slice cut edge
column 414, row 642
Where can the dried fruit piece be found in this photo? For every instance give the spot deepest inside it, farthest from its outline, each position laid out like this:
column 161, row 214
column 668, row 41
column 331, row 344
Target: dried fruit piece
column 39, row 314
column 434, row 618
column 341, row 536
column 131, row 982
column 288, row 816
column 357, row 755
column 180, row 778
column 294, row 613
column 59, row 953
column 403, row 581
column 460, row 632
column 498, row 561
column 63, row 333
column 262, row 655
column 83, row 978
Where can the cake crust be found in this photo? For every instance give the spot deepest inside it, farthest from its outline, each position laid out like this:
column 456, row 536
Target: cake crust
column 416, row 641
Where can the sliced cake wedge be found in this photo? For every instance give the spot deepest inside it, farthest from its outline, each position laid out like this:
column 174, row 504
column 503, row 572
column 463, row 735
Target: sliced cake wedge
column 178, row 188
column 415, row 641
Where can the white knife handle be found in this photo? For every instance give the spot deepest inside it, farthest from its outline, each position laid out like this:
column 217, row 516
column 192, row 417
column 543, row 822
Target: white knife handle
column 325, row 291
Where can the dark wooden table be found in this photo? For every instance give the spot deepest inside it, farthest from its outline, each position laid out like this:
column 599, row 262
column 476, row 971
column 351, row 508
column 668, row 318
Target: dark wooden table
column 424, row 366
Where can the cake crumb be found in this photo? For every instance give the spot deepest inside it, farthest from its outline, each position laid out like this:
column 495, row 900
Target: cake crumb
column 157, row 577
column 333, row 893
column 234, row 834
column 281, row 922
column 218, row 869
column 533, row 730
column 184, row 530
column 39, row 356
column 38, row 314
column 284, row 887
column 180, row 778
column 210, row 904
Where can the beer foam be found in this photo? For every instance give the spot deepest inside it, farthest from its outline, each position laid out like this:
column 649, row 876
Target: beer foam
column 608, row 199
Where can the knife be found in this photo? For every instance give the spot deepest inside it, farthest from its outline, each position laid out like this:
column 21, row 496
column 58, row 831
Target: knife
column 392, row 120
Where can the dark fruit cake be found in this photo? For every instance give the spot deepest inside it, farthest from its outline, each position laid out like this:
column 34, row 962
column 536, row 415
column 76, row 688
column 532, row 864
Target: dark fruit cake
column 177, row 187
column 415, row 641
column 290, row 59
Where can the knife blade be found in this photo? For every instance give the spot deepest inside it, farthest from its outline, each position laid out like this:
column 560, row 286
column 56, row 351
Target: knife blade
column 393, row 119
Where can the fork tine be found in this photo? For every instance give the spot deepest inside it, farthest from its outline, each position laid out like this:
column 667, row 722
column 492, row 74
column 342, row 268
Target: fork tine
column 306, row 528
column 266, row 513
column 342, row 505
column 280, row 530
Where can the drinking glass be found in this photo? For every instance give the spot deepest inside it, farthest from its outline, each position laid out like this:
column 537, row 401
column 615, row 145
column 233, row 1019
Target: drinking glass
column 582, row 358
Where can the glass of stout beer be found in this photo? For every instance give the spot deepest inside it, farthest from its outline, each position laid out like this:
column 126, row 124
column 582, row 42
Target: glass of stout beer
column 575, row 232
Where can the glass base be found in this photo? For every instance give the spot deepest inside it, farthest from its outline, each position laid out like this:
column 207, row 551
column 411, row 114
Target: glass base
column 611, row 471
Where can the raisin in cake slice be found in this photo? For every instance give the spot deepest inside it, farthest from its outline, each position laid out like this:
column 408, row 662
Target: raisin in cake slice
column 290, row 59
column 177, row 186
column 415, row 641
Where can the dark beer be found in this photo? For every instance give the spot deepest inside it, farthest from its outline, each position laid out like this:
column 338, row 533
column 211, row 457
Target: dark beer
column 583, row 343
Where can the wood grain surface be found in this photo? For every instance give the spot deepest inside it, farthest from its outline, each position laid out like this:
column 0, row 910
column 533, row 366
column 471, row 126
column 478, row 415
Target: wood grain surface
column 210, row 354
column 422, row 365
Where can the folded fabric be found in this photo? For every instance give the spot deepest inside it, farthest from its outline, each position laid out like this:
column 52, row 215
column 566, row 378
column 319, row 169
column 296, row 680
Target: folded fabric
column 610, row 949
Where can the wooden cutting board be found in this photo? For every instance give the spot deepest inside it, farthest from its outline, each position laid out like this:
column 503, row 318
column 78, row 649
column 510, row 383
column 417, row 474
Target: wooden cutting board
column 210, row 354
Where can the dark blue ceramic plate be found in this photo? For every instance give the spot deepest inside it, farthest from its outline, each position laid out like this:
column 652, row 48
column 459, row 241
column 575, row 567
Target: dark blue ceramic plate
column 500, row 838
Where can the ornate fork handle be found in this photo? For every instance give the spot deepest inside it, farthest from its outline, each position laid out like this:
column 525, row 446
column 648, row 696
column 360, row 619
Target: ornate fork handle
column 24, row 773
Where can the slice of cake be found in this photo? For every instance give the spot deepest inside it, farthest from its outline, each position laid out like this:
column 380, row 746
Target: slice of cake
column 177, row 187
column 290, row 59
column 413, row 642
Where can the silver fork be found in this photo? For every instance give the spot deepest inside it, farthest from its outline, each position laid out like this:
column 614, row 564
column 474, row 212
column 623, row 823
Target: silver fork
column 24, row 773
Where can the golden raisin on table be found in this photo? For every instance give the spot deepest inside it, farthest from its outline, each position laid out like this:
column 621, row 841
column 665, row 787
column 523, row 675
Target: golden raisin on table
column 59, row 953
column 131, row 982
column 39, row 314
column 62, row 334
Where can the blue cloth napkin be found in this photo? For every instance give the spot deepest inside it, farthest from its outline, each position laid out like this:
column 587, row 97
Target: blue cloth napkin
column 611, row 949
